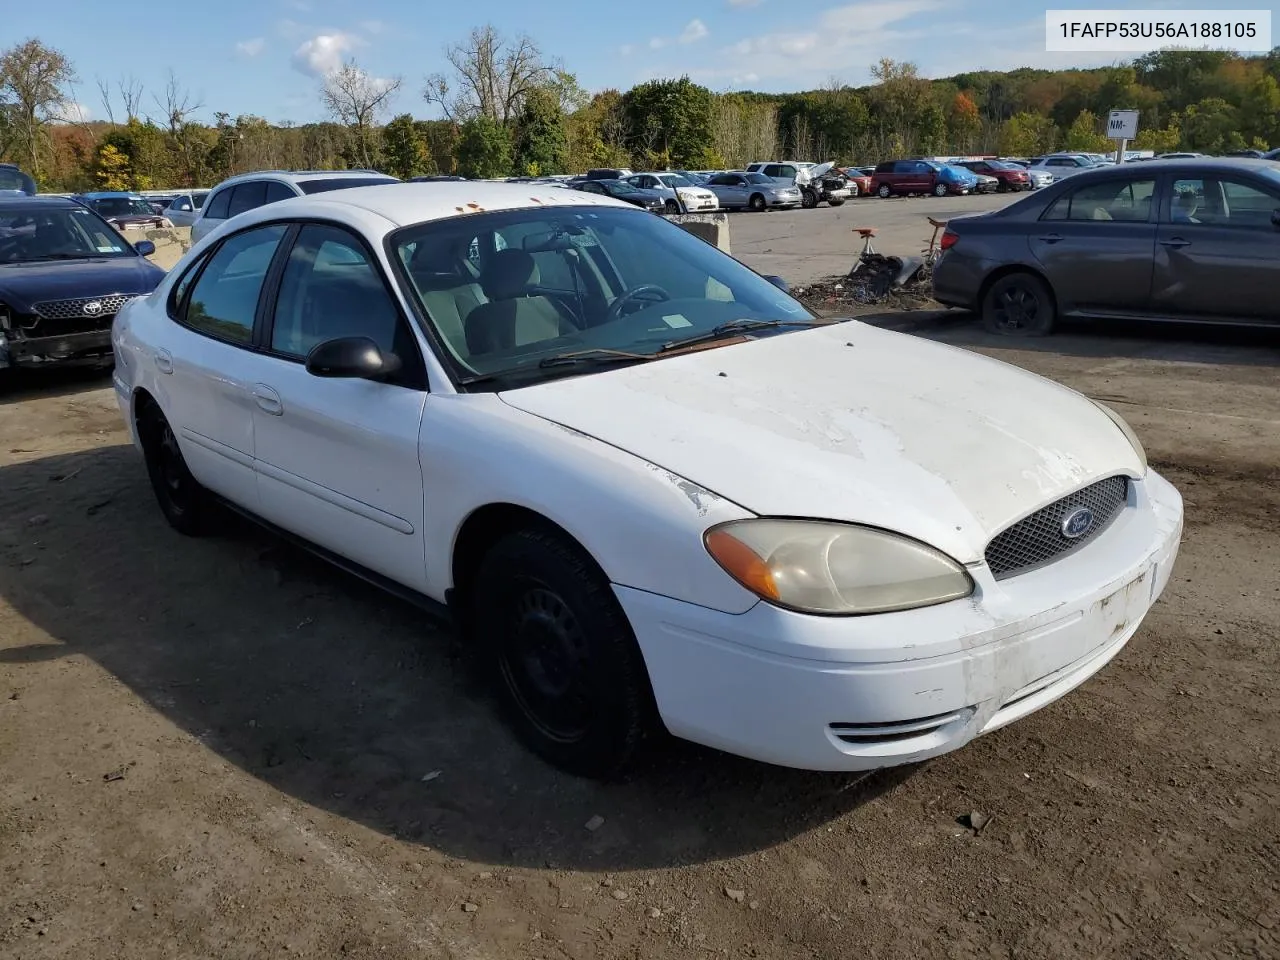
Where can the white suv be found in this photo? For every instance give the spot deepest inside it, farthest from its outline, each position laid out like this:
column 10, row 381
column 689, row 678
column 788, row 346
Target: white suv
column 249, row 191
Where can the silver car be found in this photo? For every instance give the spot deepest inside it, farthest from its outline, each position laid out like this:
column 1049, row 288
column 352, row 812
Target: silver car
column 754, row 191
column 185, row 207
column 1063, row 165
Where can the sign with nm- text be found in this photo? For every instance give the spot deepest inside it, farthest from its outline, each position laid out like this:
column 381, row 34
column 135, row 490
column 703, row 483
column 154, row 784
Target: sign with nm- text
column 1122, row 124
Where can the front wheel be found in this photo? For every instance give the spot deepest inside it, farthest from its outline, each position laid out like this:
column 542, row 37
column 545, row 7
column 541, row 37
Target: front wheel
column 183, row 501
column 940, row 190
column 885, row 191
column 1019, row 305
column 808, row 199
column 756, row 203
column 672, row 207
column 568, row 671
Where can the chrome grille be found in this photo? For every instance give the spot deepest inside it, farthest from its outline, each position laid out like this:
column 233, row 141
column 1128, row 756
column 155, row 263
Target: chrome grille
column 1039, row 538
column 67, row 309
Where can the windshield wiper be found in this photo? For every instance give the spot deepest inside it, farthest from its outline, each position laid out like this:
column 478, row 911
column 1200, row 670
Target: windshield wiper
column 739, row 326
column 66, row 256
column 578, row 357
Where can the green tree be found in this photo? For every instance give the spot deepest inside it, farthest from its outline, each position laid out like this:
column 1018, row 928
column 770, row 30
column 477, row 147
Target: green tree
column 1159, row 139
column 404, row 151
column 668, row 122
column 1260, row 112
column 33, row 83
column 1212, row 126
column 113, row 169
column 1083, row 135
column 540, row 141
column 963, row 122
column 484, row 149
column 1026, row 134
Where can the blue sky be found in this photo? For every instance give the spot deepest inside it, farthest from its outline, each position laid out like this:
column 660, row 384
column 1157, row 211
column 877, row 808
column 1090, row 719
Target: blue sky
column 266, row 56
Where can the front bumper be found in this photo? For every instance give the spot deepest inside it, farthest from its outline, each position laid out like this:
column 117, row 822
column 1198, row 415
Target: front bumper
column 783, row 200
column 89, row 347
column 858, row 693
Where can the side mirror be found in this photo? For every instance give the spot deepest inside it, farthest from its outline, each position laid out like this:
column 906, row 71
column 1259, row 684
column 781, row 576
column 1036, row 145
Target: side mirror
column 779, row 283
column 351, row 357
column 145, row 247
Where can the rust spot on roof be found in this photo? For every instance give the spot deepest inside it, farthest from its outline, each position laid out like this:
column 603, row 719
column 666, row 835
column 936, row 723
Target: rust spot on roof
column 535, row 199
column 475, row 206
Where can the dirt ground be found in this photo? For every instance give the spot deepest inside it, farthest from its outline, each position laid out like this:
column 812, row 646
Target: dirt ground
column 223, row 748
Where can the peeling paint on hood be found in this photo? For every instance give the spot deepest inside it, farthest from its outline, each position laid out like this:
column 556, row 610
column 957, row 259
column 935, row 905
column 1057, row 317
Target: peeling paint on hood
column 850, row 422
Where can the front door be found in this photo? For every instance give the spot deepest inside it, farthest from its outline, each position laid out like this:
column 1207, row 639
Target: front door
column 204, row 355
column 337, row 459
column 1217, row 253
column 1096, row 246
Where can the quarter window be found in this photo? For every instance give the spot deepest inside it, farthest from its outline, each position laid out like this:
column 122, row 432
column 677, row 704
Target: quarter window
column 224, row 299
column 329, row 289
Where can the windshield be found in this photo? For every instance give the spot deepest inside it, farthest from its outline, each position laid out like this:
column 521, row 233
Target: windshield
column 29, row 233
column 121, row 207
column 619, row 186
column 675, row 180
column 757, row 178
column 508, row 290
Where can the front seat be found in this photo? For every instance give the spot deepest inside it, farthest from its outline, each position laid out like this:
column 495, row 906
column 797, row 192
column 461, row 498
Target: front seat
column 513, row 317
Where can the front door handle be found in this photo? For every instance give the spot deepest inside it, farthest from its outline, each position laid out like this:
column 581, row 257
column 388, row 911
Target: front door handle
column 164, row 361
column 1051, row 237
column 267, row 399
column 1175, row 242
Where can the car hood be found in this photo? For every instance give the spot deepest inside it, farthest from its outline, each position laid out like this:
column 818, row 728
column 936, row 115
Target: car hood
column 23, row 284
column 852, row 423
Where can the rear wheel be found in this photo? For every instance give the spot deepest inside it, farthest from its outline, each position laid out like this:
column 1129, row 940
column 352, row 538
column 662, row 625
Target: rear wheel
column 885, row 191
column 568, row 671
column 183, row 501
column 756, row 202
column 1019, row 305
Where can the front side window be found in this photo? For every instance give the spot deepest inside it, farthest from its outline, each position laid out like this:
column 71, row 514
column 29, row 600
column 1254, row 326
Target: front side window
column 1222, row 202
column 329, row 289
column 1108, row 200
column 224, row 299
column 573, row 279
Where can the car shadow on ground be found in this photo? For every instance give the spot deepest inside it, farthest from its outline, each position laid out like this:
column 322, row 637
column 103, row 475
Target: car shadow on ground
column 27, row 383
column 1206, row 343
column 332, row 692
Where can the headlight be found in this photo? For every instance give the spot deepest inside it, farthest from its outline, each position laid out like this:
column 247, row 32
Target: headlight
column 817, row 566
column 1127, row 430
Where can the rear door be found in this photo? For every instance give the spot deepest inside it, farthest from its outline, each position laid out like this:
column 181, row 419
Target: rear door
column 1217, row 253
column 1097, row 244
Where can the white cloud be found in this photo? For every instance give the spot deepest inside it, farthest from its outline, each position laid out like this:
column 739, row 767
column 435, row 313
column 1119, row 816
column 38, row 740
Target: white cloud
column 251, row 47
column 693, row 31
column 324, row 53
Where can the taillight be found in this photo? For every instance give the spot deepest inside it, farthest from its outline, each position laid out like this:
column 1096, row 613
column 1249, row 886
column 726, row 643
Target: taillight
column 948, row 240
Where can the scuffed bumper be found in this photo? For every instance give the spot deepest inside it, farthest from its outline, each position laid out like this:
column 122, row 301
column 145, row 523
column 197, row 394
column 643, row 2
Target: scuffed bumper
column 831, row 693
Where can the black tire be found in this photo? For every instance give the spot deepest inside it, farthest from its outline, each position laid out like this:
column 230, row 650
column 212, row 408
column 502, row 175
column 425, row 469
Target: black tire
column 672, row 207
column 808, row 199
column 183, row 501
column 756, row 203
column 884, row 192
column 835, row 203
column 1019, row 305
column 568, row 672
column 939, row 189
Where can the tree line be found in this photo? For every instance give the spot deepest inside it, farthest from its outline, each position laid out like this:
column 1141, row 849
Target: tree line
column 507, row 109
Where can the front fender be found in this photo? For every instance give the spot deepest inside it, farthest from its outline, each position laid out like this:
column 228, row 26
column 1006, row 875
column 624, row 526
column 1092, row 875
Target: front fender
column 642, row 524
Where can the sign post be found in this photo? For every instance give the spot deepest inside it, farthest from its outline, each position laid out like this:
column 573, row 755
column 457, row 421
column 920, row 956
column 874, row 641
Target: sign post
column 1122, row 125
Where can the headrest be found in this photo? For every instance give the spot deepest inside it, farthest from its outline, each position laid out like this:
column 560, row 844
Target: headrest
column 508, row 273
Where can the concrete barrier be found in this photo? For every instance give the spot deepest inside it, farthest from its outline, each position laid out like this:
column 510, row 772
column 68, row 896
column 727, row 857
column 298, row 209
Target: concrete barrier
column 711, row 227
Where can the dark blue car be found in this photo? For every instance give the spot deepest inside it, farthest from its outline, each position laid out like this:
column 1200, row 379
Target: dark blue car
column 64, row 274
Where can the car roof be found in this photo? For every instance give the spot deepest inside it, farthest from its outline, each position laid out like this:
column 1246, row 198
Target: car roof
column 400, row 204
column 1197, row 165
column 296, row 176
column 45, row 201
column 104, row 194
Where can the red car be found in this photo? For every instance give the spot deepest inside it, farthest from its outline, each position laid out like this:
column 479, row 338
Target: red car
column 905, row 177
column 1011, row 176
column 858, row 180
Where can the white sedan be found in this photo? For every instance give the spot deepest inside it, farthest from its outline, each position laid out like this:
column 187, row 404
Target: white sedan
column 650, row 487
column 694, row 197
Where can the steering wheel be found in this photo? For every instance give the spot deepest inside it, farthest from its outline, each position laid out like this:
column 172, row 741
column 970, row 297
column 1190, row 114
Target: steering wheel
column 616, row 308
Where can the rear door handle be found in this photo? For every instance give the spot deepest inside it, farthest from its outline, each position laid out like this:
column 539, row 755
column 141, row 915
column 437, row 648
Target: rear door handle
column 1051, row 237
column 1175, row 242
column 164, row 361
column 267, row 399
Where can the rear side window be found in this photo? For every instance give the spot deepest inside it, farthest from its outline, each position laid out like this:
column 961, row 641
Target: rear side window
column 184, row 283
column 885, row 167
column 218, row 204
column 1109, row 200
column 341, row 183
column 277, row 191
column 248, row 196
column 224, row 299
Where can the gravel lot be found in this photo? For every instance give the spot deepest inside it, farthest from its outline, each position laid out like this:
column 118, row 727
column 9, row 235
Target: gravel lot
column 224, row 748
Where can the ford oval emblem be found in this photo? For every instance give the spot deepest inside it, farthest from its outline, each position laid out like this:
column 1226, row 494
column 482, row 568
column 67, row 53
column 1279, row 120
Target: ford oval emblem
column 1077, row 523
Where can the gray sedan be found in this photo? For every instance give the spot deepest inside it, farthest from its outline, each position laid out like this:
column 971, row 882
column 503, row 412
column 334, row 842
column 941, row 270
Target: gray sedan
column 1180, row 240
column 753, row 191
column 183, row 209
